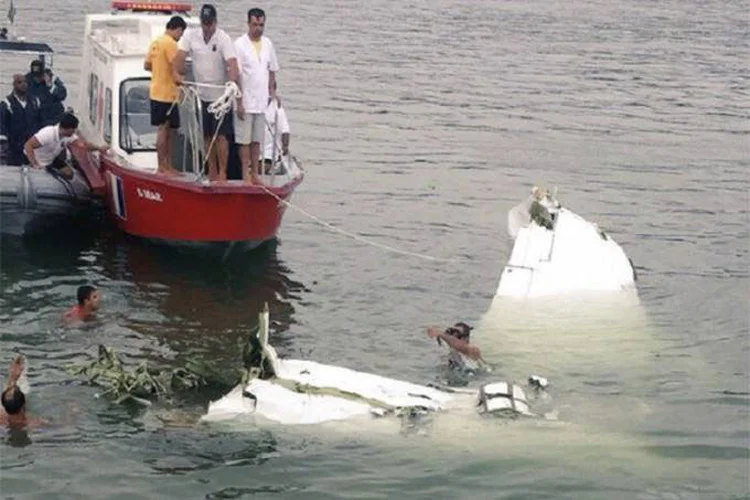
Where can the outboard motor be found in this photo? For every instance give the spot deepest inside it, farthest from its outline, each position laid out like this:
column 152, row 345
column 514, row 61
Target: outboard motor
column 26, row 194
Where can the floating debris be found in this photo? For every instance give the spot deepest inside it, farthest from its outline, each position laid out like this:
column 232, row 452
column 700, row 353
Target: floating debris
column 143, row 384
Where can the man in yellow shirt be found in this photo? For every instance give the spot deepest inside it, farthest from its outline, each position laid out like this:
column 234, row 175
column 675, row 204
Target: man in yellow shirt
column 164, row 90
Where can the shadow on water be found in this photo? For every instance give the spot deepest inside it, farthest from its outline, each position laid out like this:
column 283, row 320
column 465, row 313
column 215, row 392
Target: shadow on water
column 52, row 252
column 158, row 303
column 197, row 301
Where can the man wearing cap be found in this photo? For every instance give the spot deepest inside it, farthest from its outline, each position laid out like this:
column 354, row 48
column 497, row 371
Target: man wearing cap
column 214, row 60
column 50, row 91
column 20, row 118
column 258, row 65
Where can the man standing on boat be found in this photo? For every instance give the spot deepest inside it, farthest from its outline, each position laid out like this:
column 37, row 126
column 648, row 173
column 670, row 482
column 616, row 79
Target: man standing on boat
column 277, row 140
column 50, row 91
column 20, row 118
column 164, row 90
column 47, row 148
column 258, row 65
column 213, row 56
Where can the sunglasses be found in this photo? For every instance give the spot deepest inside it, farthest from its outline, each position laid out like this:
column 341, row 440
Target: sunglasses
column 456, row 332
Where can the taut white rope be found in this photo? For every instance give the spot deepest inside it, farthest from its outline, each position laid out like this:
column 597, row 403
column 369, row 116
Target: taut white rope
column 353, row 236
column 223, row 105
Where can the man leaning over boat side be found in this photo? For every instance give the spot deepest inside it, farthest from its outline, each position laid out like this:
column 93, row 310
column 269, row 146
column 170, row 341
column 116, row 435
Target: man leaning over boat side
column 50, row 91
column 20, row 118
column 48, row 147
column 258, row 65
column 214, row 60
column 164, row 91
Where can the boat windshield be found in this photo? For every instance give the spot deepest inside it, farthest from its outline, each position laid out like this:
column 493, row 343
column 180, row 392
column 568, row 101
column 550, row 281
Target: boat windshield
column 136, row 131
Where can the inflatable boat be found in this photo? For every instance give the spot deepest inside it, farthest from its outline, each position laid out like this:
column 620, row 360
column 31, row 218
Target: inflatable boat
column 33, row 200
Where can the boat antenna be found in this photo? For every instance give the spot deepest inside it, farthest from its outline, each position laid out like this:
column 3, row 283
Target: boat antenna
column 9, row 33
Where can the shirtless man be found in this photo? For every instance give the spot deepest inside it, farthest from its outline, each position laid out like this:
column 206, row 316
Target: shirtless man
column 88, row 302
column 457, row 338
column 14, row 400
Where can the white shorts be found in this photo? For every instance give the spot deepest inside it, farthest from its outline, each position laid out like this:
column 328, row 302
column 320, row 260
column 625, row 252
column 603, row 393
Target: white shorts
column 250, row 129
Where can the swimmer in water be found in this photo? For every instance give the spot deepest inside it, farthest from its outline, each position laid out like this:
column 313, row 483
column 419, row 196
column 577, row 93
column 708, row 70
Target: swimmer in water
column 88, row 303
column 14, row 398
column 463, row 355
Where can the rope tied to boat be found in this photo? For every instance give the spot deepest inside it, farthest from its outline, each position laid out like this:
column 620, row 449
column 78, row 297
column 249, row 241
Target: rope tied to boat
column 356, row 237
column 223, row 105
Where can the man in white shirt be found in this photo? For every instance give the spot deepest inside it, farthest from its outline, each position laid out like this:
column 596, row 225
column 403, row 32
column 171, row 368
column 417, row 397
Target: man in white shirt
column 277, row 132
column 214, row 61
column 258, row 65
column 47, row 148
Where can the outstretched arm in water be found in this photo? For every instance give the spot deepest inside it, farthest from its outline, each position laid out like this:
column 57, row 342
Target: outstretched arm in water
column 459, row 345
column 15, row 370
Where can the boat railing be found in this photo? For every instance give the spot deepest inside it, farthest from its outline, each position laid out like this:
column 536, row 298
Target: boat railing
column 192, row 149
column 277, row 164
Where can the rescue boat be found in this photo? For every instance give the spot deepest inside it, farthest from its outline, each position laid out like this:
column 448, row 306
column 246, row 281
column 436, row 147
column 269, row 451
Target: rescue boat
column 33, row 201
column 114, row 109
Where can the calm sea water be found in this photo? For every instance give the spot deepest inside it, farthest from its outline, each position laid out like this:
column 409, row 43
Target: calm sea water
column 421, row 123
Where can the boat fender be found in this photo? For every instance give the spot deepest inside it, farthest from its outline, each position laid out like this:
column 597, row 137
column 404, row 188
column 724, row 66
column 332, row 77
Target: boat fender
column 26, row 194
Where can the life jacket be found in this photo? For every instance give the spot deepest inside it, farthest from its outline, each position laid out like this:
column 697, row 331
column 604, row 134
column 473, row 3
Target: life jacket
column 18, row 123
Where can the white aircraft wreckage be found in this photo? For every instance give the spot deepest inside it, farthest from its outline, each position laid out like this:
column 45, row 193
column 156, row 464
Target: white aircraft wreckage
column 557, row 252
column 297, row 392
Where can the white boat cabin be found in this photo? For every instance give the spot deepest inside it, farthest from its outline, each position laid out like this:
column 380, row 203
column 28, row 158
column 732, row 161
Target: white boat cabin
column 114, row 105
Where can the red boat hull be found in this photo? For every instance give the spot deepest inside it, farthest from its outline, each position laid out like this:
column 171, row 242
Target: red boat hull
column 180, row 211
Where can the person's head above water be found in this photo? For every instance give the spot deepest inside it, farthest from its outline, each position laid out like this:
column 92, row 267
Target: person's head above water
column 460, row 330
column 88, row 297
column 13, row 400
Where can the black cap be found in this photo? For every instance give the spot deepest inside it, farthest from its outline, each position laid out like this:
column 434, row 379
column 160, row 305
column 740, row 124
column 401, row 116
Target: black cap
column 37, row 66
column 208, row 13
